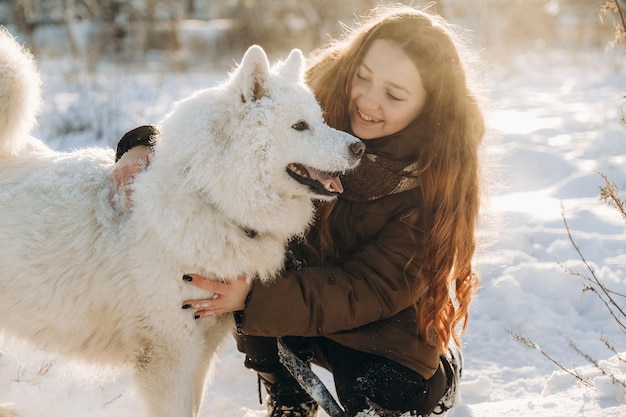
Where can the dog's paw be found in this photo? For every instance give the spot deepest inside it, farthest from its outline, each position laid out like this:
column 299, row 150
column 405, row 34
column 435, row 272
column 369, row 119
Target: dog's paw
column 6, row 410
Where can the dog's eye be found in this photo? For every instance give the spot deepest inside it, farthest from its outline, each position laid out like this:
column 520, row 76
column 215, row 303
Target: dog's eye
column 300, row 126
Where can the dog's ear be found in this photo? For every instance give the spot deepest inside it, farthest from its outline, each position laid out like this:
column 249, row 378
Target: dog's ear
column 293, row 67
column 251, row 75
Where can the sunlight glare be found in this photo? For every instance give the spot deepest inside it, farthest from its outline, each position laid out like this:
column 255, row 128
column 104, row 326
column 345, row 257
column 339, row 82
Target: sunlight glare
column 513, row 121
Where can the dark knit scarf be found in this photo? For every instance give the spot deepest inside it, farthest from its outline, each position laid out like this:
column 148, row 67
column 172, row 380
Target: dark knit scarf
column 389, row 166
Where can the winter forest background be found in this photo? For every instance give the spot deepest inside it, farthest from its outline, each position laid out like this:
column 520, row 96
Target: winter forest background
column 188, row 32
column 546, row 335
column 160, row 36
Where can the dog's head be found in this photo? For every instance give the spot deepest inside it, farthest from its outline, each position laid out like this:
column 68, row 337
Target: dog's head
column 258, row 140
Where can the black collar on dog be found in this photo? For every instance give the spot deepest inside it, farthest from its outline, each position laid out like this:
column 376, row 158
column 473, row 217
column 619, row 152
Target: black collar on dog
column 250, row 232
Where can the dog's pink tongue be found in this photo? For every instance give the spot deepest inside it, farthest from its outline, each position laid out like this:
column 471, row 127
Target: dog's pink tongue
column 332, row 183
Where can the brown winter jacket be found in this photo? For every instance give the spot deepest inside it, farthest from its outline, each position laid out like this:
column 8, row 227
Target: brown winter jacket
column 363, row 299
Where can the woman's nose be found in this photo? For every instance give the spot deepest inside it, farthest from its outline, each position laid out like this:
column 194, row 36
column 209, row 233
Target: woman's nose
column 367, row 100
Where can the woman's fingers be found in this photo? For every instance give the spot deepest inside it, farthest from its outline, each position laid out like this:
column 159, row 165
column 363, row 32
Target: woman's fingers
column 125, row 170
column 229, row 296
column 205, row 283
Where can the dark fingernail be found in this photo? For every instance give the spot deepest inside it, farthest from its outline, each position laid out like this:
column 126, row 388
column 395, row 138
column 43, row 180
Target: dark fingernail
column 187, row 278
column 196, row 317
column 186, row 306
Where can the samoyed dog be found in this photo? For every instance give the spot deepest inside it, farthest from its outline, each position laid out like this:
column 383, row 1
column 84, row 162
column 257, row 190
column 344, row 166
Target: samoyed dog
column 232, row 178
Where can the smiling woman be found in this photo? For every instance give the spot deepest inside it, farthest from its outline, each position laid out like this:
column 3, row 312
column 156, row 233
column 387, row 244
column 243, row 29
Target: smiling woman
column 375, row 290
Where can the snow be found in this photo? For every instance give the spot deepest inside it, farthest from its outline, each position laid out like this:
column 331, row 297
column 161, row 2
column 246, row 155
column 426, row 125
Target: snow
column 557, row 120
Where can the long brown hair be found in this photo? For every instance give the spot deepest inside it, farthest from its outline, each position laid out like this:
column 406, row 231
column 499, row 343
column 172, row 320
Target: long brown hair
column 452, row 128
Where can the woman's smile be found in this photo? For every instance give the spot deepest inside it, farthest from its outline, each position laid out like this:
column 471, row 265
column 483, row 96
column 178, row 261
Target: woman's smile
column 366, row 118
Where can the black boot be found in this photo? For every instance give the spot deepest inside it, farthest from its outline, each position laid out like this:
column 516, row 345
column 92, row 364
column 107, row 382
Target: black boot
column 286, row 397
column 453, row 365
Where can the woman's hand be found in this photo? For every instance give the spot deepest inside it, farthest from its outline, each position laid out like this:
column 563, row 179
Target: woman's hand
column 230, row 296
column 124, row 171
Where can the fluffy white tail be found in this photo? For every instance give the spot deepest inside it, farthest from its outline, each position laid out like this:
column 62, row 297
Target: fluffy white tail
column 20, row 94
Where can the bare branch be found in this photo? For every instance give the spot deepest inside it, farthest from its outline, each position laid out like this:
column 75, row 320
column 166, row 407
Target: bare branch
column 609, row 194
column 610, row 347
column 621, row 14
column 596, row 364
column 609, row 302
column 531, row 344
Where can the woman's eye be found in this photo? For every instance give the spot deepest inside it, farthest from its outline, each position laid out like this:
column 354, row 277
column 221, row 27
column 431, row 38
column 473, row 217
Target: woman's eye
column 391, row 96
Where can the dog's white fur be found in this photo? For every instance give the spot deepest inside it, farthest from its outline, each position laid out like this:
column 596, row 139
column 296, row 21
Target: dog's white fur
column 81, row 278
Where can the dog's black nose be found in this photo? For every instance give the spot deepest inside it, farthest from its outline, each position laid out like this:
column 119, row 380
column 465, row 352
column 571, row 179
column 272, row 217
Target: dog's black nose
column 358, row 148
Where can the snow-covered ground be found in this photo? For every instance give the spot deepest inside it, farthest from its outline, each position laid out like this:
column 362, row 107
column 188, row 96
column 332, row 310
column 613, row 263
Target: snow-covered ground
column 557, row 117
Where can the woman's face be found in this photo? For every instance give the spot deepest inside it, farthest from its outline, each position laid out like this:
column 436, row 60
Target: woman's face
column 387, row 92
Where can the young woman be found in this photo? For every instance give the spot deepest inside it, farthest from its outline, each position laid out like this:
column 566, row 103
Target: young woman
column 377, row 290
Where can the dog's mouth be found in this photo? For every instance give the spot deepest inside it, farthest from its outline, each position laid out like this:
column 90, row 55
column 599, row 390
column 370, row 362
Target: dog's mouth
column 320, row 182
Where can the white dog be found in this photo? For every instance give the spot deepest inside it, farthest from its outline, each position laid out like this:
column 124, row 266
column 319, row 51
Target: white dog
column 232, row 177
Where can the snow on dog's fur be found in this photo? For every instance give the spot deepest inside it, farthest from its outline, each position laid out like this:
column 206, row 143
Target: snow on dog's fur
column 231, row 180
